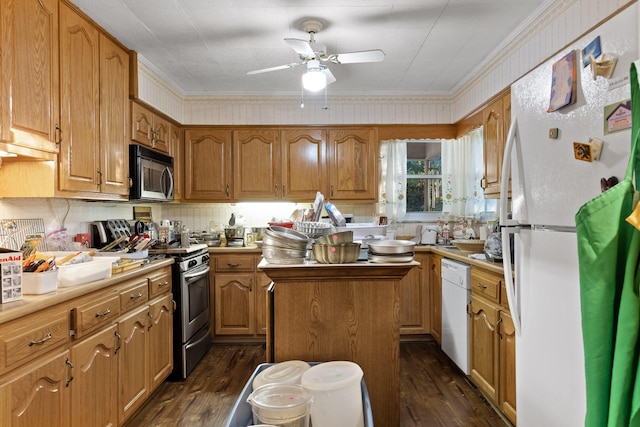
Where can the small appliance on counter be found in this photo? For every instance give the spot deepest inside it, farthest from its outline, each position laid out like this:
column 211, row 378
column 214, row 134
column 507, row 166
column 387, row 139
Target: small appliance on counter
column 108, row 231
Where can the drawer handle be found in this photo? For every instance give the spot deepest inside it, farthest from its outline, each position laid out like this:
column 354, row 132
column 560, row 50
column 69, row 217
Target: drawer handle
column 480, row 285
column 104, row 313
column 165, row 283
column 134, row 297
column 41, row 341
column 233, row 265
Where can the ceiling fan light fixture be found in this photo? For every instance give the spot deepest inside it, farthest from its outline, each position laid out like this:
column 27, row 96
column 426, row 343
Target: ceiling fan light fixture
column 314, row 79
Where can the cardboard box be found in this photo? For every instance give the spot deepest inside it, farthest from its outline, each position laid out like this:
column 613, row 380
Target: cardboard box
column 10, row 275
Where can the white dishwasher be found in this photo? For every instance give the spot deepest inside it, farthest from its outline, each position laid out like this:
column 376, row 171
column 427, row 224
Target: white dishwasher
column 456, row 295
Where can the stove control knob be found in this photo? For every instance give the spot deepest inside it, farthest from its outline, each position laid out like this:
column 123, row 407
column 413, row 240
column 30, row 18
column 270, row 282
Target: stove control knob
column 205, row 258
column 192, row 263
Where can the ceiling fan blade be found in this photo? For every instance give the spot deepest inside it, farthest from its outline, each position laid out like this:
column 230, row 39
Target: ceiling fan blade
column 330, row 77
column 375, row 55
column 302, row 47
column 279, row 67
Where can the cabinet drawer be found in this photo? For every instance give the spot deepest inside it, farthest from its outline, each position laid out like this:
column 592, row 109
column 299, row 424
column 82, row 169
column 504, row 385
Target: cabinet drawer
column 160, row 283
column 134, row 295
column 486, row 284
column 96, row 313
column 31, row 336
column 228, row 263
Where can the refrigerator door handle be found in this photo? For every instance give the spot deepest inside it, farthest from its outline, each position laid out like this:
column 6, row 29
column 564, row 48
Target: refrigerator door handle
column 511, row 286
column 506, row 173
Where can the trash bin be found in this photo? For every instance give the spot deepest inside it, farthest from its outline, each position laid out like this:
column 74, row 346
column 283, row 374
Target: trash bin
column 242, row 416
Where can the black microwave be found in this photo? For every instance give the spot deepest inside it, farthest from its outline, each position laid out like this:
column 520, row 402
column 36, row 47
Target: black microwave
column 151, row 175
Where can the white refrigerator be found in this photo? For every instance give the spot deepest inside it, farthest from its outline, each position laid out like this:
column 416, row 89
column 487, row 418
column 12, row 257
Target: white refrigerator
column 548, row 187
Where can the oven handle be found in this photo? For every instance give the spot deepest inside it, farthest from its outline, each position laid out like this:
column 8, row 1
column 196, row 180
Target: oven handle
column 194, row 276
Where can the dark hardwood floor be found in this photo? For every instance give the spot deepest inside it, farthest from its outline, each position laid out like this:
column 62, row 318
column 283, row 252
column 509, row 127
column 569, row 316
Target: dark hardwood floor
column 433, row 391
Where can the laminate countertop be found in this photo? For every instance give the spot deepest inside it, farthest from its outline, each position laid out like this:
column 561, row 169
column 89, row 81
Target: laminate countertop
column 32, row 303
column 454, row 254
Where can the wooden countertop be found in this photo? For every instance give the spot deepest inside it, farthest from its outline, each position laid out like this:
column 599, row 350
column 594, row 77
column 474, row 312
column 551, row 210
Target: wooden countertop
column 33, row 303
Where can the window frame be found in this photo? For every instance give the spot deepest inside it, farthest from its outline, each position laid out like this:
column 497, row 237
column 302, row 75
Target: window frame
column 423, row 216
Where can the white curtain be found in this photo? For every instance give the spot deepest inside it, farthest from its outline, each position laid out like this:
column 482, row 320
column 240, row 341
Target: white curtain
column 392, row 194
column 461, row 174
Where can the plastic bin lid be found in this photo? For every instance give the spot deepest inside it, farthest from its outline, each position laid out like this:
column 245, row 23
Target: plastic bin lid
column 288, row 372
column 331, row 375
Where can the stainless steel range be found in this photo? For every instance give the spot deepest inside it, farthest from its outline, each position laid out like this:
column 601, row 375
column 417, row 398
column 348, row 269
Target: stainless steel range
column 191, row 320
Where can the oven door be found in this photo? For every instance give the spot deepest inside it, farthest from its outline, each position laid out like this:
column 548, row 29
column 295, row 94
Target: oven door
column 194, row 306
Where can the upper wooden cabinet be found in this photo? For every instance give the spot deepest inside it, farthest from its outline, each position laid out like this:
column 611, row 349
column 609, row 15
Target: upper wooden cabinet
column 256, row 164
column 279, row 164
column 149, row 129
column 94, row 91
column 304, row 169
column 496, row 119
column 114, row 118
column 176, row 150
column 207, row 165
column 30, row 76
column 352, row 158
column 79, row 103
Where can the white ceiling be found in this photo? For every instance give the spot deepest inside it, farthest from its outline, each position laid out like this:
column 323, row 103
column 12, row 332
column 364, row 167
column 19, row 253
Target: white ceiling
column 207, row 46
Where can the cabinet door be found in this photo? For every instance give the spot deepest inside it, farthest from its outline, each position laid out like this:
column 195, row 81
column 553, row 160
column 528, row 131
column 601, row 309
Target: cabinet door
column 161, row 134
column 114, row 118
column 256, row 166
column 303, row 163
column 141, row 125
column 484, row 347
column 234, row 304
column 262, row 283
column 435, row 286
column 160, row 340
column 78, row 161
column 39, row 396
column 507, row 394
column 94, row 392
column 414, row 299
column 496, row 119
column 133, row 368
column 207, row 165
column 30, row 74
column 352, row 157
column 176, row 150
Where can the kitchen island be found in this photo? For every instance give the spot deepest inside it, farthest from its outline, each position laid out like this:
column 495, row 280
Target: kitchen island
column 323, row 312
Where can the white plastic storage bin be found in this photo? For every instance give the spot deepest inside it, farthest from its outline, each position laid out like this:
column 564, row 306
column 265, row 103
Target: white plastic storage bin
column 39, row 283
column 242, row 415
column 78, row 274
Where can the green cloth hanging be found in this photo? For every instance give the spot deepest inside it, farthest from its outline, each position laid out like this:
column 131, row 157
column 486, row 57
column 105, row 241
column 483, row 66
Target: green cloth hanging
column 608, row 251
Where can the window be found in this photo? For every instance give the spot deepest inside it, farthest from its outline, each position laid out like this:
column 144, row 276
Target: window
column 424, row 178
column 424, row 181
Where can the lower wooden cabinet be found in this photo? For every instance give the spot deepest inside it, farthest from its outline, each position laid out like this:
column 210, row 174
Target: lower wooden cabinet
column 239, row 307
column 160, row 340
column 133, row 368
column 94, row 395
column 493, row 343
column 415, row 317
column 435, row 288
column 76, row 372
column 39, row 395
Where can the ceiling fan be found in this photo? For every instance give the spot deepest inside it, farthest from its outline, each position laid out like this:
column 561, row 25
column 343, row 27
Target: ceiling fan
column 318, row 76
